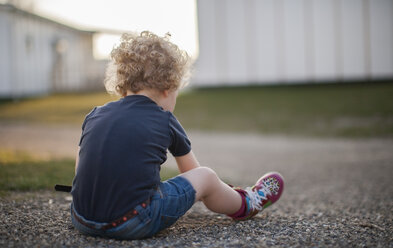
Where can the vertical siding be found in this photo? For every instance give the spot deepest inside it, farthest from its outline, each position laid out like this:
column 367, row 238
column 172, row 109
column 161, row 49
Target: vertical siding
column 294, row 40
column 381, row 29
column 236, row 42
column 265, row 55
column 324, row 40
column 309, row 40
column 5, row 75
column 220, row 51
column 45, row 61
column 206, row 68
column 30, row 63
column 291, row 41
column 251, row 54
column 352, row 39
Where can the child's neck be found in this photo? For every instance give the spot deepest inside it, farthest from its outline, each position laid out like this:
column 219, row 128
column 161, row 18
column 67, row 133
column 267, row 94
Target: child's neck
column 166, row 98
column 152, row 94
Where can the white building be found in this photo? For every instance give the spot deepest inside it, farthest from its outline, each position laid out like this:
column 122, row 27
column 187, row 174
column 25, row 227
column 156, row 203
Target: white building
column 39, row 56
column 292, row 41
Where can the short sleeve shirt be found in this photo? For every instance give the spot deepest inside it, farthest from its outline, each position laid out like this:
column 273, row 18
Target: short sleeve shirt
column 122, row 147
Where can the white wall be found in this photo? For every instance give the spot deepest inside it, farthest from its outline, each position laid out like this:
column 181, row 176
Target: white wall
column 5, row 76
column 29, row 63
column 324, row 48
column 291, row 41
column 381, row 38
column 267, row 61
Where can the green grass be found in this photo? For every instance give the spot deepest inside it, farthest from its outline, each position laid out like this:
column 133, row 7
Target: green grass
column 343, row 110
column 23, row 172
column 54, row 109
column 338, row 110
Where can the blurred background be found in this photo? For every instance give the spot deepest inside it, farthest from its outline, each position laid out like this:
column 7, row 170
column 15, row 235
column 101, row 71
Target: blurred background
column 53, row 46
column 287, row 68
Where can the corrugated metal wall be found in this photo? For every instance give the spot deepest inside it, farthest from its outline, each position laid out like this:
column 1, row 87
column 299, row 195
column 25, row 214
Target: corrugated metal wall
column 40, row 56
column 5, row 67
column 291, row 41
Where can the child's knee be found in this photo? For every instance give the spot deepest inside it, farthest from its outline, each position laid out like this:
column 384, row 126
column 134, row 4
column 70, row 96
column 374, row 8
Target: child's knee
column 203, row 174
column 207, row 173
column 204, row 180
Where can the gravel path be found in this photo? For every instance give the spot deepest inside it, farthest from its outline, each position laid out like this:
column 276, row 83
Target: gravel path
column 42, row 219
column 338, row 193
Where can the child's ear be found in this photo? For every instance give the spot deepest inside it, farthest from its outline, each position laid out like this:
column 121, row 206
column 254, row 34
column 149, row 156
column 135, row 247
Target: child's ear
column 165, row 93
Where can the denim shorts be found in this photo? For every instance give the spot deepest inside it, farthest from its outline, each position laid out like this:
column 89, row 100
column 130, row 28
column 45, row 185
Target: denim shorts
column 172, row 199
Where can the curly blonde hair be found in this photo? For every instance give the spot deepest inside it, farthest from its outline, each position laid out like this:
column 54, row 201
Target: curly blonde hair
column 146, row 61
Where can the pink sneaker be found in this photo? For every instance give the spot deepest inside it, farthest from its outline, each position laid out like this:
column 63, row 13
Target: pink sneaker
column 265, row 192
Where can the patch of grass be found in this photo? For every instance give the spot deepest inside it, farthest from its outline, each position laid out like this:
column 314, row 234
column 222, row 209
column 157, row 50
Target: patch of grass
column 167, row 173
column 54, row 109
column 345, row 110
column 35, row 175
column 24, row 172
column 339, row 110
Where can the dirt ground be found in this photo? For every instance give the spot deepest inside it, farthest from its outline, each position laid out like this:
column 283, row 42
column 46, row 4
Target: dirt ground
column 240, row 158
column 337, row 191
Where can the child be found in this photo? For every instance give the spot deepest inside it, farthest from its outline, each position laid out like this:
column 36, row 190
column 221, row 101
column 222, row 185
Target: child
column 117, row 192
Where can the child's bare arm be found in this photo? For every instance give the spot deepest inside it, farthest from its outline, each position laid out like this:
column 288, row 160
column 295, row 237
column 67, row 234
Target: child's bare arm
column 187, row 162
column 77, row 159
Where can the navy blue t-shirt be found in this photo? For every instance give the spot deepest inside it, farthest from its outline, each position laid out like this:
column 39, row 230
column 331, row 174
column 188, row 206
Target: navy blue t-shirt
column 122, row 147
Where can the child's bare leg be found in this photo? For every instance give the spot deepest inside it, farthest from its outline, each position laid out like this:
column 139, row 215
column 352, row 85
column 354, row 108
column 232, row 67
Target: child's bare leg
column 215, row 194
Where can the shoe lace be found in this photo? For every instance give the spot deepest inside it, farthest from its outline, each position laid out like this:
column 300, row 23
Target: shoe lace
column 256, row 198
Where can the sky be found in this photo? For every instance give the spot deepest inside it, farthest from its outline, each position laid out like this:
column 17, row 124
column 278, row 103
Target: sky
column 178, row 17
